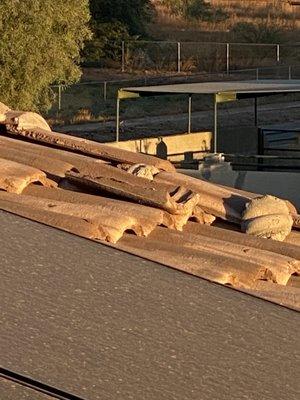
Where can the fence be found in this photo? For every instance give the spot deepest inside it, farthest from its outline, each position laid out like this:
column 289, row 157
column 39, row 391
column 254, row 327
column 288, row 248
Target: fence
column 204, row 56
column 99, row 97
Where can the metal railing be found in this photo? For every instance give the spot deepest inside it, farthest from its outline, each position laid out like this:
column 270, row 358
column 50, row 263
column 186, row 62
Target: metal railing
column 278, row 140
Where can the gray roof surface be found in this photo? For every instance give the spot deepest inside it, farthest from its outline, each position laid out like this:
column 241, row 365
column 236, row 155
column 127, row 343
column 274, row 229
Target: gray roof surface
column 243, row 87
column 13, row 391
column 104, row 324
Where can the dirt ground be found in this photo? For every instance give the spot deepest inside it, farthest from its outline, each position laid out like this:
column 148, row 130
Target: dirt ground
column 235, row 122
column 115, row 74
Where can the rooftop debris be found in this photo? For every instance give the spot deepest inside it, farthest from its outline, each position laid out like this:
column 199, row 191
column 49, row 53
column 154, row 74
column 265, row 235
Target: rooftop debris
column 267, row 217
column 140, row 204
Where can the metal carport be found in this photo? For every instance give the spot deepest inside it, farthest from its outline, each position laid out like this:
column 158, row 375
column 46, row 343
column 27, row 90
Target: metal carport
column 220, row 91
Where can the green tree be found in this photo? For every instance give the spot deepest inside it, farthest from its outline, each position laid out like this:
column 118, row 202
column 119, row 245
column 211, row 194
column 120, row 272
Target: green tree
column 40, row 44
column 106, row 42
column 133, row 14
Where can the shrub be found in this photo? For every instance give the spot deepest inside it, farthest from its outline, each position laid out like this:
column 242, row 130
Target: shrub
column 202, row 11
column 194, row 10
column 263, row 32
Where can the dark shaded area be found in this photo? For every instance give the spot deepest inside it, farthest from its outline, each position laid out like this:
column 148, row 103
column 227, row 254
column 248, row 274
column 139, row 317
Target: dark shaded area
column 103, row 324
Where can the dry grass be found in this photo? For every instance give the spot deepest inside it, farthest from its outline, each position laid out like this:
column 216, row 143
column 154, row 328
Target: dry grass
column 278, row 12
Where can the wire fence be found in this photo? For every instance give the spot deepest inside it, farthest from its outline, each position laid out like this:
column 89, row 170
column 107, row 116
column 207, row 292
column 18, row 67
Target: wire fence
column 99, row 97
column 204, row 56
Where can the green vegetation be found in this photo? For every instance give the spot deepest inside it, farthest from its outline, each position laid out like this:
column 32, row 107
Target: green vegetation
column 262, row 32
column 133, row 14
column 106, row 42
column 112, row 22
column 40, row 44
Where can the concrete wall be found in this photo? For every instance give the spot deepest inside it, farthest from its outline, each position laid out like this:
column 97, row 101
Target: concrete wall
column 173, row 147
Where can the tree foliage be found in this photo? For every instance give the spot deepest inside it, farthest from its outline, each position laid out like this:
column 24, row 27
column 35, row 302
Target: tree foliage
column 40, row 44
column 106, row 42
column 112, row 22
column 133, row 14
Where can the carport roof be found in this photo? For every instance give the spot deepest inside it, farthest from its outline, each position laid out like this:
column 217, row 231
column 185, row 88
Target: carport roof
column 240, row 89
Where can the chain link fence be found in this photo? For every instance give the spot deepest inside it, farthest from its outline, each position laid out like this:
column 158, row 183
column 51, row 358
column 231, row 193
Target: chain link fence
column 204, row 56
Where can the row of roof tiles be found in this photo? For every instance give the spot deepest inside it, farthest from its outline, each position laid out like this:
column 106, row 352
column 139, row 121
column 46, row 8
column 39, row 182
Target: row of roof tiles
column 84, row 188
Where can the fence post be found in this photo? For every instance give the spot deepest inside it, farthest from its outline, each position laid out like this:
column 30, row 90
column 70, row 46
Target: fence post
column 257, row 72
column 105, row 91
column 278, row 52
column 290, row 72
column 59, row 97
column 227, row 58
column 215, row 123
column 178, row 57
column 123, row 56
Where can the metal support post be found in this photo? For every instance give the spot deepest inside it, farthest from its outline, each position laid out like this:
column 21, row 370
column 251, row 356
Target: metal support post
column 278, row 53
column 59, row 97
column 290, row 72
column 105, row 91
column 257, row 73
column 260, row 145
column 118, row 121
column 255, row 112
column 227, row 58
column 215, row 123
column 123, row 56
column 178, row 57
column 190, row 114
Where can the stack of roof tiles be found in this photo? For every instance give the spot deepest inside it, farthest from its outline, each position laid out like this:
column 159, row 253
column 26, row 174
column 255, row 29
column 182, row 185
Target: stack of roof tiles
column 84, row 188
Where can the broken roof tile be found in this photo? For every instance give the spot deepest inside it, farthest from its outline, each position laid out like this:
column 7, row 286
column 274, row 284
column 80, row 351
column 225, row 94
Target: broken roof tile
column 91, row 148
column 24, row 120
column 83, row 163
column 14, row 177
column 212, row 199
column 52, row 167
column 174, row 199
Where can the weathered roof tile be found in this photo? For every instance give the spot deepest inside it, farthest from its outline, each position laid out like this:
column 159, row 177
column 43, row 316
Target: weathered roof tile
column 14, row 177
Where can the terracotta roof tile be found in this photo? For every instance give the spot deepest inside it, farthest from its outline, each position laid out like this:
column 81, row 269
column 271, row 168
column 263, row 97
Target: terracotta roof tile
column 14, row 177
column 284, row 295
column 284, row 248
column 240, row 266
column 91, row 148
column 175, row 199
column 111, row 218
column 46, row 164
